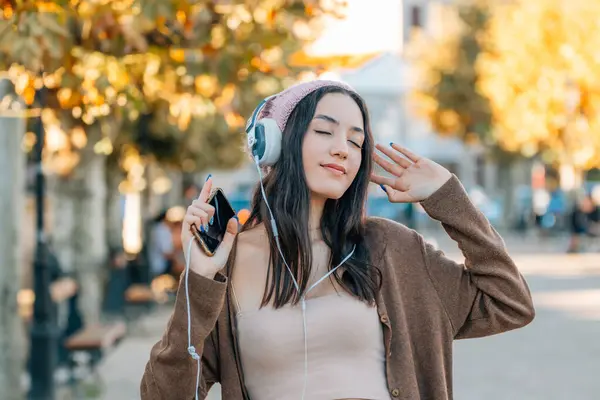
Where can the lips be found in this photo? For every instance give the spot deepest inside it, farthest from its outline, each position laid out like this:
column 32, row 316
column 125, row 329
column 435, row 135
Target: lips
column 335, row 168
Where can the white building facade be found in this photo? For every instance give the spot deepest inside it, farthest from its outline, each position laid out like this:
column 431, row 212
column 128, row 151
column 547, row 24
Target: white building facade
column 385, row 84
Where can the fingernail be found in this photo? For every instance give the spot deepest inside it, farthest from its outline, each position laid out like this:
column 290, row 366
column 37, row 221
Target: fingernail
column 202, row 228
column 383, row 188
column 206, row 227
column 211, row 220
column 391, row 144
column 208, row 177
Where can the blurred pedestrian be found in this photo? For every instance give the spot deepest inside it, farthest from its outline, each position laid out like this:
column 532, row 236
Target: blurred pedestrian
column 313, row 300
column 175, row 217
column 161, row 250
column 581, row 224
column 118, row 281
column 191, row 193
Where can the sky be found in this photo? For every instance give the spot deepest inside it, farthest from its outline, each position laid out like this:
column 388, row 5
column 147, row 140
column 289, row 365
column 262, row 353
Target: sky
column 370, row 25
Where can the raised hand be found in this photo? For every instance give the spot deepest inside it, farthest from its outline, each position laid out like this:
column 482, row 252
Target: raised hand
column 414, row 178
column 199, row 213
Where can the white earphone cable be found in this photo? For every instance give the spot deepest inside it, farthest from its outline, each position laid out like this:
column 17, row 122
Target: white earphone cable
column 191, row 349
column 303, row 298
column 273, row 224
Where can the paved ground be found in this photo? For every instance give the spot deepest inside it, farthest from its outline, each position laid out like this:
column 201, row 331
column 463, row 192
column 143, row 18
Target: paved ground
column 556, row 357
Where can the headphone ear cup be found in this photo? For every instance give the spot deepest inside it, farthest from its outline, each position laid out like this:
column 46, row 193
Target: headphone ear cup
column 267, row 144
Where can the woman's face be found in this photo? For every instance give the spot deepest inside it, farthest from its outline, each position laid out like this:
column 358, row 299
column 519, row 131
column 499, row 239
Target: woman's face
column 331, row 150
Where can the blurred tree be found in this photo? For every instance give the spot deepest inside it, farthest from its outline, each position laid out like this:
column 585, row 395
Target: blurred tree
column 134, row 81
column 447, row 91
column 539, row 71
column 518, row 75
column 195, row 68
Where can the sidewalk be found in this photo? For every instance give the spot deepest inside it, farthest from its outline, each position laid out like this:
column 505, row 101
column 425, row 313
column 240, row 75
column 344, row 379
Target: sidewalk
column 122, row 369
column 565, row 290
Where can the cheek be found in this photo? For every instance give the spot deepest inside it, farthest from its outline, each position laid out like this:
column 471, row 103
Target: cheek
column 354, row 162
column 309, row 148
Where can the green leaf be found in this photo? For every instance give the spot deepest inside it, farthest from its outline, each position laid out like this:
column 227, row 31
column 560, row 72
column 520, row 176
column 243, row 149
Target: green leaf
column 49, row 21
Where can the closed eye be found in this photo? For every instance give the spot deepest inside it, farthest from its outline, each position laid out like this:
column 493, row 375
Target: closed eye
column 355, row 144
column 351, row 141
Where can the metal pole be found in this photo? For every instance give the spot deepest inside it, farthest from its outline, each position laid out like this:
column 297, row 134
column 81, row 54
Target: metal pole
column 44, row 331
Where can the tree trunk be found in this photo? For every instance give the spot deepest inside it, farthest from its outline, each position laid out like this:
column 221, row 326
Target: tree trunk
column 114, row 207
column 12, row 201
column 79, row 234
column 89, row 228
column 61, row 220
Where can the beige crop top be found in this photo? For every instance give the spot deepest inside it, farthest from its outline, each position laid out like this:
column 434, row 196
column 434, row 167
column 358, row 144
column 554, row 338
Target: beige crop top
column 345, row 350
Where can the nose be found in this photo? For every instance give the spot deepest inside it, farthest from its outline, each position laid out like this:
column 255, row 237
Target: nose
column 339, row 146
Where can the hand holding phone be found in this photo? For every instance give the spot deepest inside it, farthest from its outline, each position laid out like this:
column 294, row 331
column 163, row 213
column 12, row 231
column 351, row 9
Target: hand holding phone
column 210, row 252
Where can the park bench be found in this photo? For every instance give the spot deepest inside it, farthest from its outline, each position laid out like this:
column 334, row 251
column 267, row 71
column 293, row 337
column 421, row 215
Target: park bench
column 139, row 294
column 140, row 299
column 93, row 342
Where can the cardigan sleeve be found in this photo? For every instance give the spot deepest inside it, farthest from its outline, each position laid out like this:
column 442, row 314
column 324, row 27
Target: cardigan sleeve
column 171, row 371
column 487, row 294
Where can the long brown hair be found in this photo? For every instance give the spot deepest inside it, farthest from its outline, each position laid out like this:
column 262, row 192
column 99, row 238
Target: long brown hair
column 342, row 224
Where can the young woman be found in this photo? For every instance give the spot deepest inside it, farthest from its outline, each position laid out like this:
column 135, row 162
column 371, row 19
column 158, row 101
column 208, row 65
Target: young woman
column 382, row 325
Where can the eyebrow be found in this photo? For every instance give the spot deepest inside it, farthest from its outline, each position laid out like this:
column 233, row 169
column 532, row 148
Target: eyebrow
column 336, row 122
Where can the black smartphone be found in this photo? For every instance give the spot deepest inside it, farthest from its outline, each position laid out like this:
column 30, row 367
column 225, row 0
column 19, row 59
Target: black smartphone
column 210, row 239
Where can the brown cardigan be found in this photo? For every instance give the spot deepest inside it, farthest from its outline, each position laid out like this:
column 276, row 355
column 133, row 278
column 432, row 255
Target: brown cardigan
column 425, row 303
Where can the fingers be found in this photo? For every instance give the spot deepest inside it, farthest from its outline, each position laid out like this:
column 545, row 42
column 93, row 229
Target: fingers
column 388, row 166
column 409, row 154
column 209, row 209
column 202, row 212
column 205, row 192
column 193, row 220
column 382, row 180
column 229, row 237
column 397, row 184
column 197, row 212
column 390, row 186
column 397, row 158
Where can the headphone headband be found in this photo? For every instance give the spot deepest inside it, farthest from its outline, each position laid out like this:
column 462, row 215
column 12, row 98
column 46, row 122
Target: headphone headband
column 252, row 120
column 264, row 134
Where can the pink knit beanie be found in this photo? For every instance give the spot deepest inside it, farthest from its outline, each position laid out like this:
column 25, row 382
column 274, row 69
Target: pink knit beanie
column 280, row 106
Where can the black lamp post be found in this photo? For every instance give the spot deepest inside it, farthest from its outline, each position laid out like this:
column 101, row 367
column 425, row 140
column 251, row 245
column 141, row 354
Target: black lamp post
column 44, row 331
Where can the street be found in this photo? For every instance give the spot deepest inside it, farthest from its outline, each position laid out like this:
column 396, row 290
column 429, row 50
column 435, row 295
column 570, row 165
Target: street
column 555, row 357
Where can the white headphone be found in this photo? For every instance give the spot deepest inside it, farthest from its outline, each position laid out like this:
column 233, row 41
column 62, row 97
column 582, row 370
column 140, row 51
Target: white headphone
column 263, row 137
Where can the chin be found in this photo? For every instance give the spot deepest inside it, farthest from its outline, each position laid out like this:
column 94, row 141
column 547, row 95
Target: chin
column 330, row 191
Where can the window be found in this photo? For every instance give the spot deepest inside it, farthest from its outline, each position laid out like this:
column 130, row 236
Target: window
column 415, row 17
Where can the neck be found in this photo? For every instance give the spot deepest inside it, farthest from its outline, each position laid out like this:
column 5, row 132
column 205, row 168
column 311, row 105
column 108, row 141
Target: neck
column 317, row 204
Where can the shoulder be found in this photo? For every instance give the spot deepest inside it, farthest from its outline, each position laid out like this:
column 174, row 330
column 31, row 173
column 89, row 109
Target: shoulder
column 379, row 228
column 252, row 239
column 396, row 249
column 384, row 236
column 249, row 270
column 252, row 248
